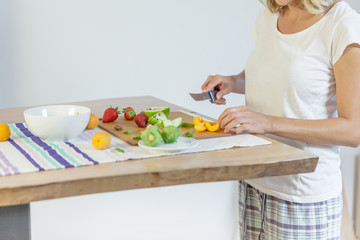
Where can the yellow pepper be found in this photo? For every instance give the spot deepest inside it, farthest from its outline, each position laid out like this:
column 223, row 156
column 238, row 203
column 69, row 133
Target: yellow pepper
column 200, row 127
column 212, row 127
column 198, row 120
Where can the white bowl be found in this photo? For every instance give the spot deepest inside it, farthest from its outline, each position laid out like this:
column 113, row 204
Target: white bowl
column 57, row 122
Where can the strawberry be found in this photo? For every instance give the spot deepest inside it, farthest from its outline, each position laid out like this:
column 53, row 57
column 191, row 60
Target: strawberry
column 141, row 119
column 129, row 113
column 110, row 114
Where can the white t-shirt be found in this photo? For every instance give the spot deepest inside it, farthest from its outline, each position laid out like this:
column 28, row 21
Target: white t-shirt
column 291, row 75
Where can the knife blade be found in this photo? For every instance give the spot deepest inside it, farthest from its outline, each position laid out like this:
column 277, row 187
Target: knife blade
column 204, row 96
column 210, row 95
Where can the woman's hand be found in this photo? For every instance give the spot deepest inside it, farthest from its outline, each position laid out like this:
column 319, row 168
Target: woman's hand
column 226, row 84
column 245, row 120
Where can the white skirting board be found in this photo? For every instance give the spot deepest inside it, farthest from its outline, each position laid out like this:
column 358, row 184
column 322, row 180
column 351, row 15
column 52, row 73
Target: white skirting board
column 357, row 197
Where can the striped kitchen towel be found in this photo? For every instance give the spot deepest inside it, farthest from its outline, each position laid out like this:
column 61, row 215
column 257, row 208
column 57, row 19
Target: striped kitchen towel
column 24, row 152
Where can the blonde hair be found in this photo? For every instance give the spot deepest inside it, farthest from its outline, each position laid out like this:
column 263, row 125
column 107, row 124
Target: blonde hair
column 312, row 6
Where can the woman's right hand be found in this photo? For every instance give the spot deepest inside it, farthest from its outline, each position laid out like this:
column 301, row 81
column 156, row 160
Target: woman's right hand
column 226, row 84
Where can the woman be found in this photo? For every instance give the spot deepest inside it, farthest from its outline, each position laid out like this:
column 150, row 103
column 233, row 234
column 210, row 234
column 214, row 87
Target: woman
column 303, row 88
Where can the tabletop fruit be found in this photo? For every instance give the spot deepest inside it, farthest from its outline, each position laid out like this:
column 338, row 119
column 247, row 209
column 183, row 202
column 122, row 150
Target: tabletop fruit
column 129, row 113
column 201, row 125
column 157, row 117
column 170, row 134
column 167, row 122
column 141, row 119
column 212, row 126
column 111, row 114
column 153, row 110
column 101, row 140
column 152, row 120
column 93, row 122
column 198, row 120
column 151, row 136
column 4, row 132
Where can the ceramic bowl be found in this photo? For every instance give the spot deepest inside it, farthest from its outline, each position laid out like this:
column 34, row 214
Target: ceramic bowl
column 57, row 122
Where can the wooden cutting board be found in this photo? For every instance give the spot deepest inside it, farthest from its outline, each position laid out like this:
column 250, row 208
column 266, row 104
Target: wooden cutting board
column 130, row 125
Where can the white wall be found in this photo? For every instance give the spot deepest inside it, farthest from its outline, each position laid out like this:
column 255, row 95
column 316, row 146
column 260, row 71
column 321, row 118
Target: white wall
column 54, row 51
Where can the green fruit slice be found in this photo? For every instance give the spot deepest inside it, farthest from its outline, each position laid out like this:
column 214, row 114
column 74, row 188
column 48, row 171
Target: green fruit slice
column 185, row 124
column 151, row 136
column 170, row 134
column 153, row 120
column 167, row 122
column 153, row 110
column 157, row 117
column 176, row 122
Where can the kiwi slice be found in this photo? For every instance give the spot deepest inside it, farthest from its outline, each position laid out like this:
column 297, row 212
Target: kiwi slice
column 151, row 137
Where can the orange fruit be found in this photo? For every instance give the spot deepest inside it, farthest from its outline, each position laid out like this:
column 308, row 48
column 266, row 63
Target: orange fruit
column 93, row 122
column 4, row 132
column 101, row 140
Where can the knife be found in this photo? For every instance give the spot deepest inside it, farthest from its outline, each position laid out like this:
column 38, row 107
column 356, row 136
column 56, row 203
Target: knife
column 205, row 96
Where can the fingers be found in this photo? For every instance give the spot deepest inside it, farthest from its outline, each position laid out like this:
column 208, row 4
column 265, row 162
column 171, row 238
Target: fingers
column 240, row 129
column 211, row 82
column 234, row 117
column 229, row 114
column 219, row 95
column 220, row 101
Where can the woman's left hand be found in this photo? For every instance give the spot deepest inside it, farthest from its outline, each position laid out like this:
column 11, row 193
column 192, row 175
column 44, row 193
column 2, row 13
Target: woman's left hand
column 245, row 120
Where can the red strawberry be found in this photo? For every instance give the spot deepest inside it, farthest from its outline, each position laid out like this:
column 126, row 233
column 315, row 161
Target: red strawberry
column 129, row 113
column 110, row 114
column 141, row 119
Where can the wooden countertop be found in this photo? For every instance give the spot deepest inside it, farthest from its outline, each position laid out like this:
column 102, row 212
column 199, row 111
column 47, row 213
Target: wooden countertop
column 220, row 165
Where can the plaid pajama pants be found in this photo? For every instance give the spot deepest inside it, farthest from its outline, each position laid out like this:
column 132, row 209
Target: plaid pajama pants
column 266, row 217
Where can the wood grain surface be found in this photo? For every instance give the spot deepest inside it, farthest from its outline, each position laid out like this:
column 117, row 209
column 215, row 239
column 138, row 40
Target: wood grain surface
column 130, row 125
column 221, row 165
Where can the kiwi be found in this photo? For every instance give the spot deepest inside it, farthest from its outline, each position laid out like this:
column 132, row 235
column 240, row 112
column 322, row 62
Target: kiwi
column 151, row 136
column 170, row 134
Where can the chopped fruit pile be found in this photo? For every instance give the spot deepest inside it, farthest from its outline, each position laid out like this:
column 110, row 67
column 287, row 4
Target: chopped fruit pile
column 201, row 125
column 152, row 136
column 157, row 128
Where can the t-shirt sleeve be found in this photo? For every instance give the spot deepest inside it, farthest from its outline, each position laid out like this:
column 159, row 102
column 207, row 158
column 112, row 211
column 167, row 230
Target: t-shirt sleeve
column 346, row 32
column 257, row 25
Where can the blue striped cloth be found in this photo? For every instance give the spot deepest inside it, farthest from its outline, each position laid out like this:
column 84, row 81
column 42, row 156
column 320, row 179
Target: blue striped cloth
column 24, row 152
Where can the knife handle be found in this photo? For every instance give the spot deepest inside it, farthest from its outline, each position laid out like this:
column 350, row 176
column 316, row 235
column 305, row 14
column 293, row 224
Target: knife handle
column 212, row 95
